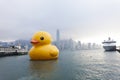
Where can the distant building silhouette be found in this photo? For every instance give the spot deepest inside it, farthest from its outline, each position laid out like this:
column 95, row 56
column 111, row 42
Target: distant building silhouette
column 78, row 45
column 70, row 44
column 89, row 45
column 57, row 35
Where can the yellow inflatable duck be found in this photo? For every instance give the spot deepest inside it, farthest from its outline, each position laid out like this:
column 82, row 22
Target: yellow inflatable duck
column 42, row 49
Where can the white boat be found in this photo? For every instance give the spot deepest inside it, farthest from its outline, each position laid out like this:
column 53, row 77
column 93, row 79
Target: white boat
column 109, row 45
column 12, row 50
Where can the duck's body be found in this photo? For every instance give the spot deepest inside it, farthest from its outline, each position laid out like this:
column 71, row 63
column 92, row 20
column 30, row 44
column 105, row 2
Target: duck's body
column 45, row 52
column 42, row 48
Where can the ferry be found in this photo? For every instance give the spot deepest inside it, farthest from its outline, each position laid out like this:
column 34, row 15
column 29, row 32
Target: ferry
column 12, row 50
column 109, row 45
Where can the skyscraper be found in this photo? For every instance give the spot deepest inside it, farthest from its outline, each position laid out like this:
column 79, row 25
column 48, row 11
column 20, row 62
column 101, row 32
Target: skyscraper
column 57, row 35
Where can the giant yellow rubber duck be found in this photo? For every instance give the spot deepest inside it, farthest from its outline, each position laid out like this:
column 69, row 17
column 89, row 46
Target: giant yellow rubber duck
column 42, row 49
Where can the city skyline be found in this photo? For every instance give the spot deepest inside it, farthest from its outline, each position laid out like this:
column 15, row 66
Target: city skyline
column 87, row 21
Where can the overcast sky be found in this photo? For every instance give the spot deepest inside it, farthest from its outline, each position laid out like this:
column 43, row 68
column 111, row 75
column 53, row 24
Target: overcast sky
column 85, row 20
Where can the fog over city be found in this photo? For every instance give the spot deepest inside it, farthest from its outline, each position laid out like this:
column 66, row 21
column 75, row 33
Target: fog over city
column 84, row 20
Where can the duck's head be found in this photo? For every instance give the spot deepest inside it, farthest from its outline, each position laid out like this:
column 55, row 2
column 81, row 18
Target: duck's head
column 41, row 38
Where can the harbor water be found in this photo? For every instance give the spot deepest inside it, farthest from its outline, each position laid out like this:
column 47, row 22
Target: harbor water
column 71, row 65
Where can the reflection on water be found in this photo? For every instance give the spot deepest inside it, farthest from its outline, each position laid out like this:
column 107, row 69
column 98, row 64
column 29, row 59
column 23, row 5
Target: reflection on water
column 97, row 65
column 71, row 65
column 42, row 69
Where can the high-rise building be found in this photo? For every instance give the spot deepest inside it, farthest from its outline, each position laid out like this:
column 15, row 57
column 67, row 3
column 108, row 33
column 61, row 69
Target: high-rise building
column 57, row 35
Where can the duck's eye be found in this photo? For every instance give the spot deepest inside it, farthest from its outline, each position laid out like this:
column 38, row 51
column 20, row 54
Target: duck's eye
column 41, row 38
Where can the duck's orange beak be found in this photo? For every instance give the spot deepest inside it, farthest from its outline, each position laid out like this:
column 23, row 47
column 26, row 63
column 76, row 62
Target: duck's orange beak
column 34, row 41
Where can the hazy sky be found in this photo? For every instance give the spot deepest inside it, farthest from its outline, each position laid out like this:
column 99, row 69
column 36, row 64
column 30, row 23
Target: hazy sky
column 85, row 20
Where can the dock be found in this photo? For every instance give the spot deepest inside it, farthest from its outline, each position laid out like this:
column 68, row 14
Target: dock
column 118, row 50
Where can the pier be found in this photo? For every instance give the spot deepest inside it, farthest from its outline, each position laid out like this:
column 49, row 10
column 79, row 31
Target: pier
column 118, row 50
